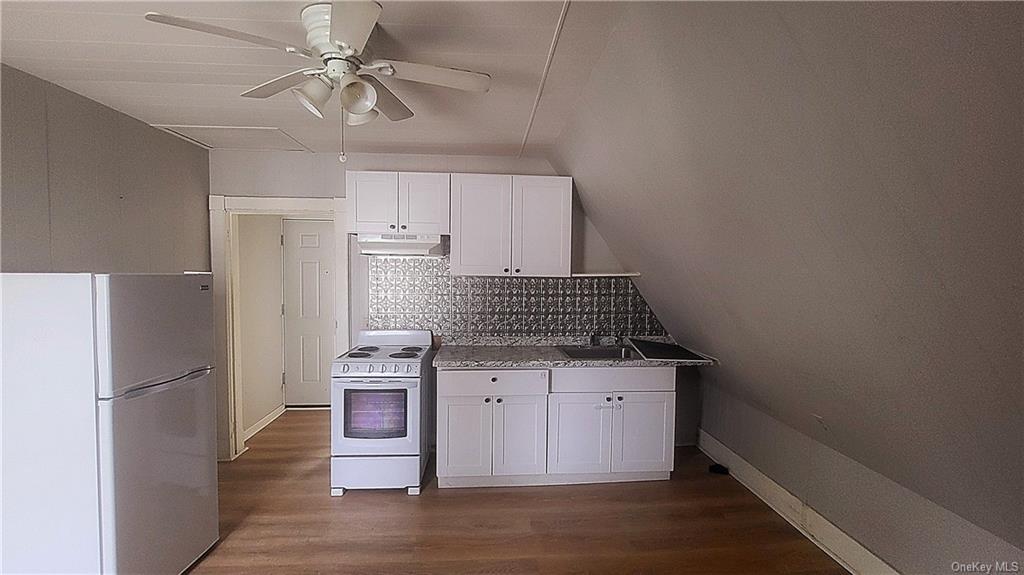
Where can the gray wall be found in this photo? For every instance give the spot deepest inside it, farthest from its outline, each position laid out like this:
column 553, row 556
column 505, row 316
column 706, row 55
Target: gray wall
column 87, row 188
column 829, row 198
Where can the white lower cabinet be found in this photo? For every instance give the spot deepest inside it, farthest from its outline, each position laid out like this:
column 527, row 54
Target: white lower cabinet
column 611, row 432
column 535, row 427
column 579, row 432
column 643, row 431
column 464, row 425
column 491, row 435
column 520, row 435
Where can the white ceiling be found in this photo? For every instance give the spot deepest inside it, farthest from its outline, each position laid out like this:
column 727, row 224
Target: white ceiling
column 161, row 75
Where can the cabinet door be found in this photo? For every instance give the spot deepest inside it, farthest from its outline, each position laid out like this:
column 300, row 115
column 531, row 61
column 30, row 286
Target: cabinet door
column 643, row 429
column 579, row 432
column 481, row 209
column 463, row 436
column 541, row 226
column 423, row 203
column 374, row 196
column 520, row 434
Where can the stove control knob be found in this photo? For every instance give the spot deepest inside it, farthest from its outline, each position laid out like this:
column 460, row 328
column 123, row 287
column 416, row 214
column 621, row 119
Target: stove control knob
column 408, row 368
column 369, row 368
column 394, row 368
column 344, row 368
column 383, row 368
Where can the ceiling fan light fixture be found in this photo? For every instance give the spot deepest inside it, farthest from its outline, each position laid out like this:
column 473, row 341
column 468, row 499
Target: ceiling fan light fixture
column 359, row 119
column 357, row 95
column 313, row 95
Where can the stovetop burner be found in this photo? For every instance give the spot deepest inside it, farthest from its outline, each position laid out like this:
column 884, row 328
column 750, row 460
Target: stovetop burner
column 412, row 348
column 402, row 354
column 370, row 348
column 358, row 354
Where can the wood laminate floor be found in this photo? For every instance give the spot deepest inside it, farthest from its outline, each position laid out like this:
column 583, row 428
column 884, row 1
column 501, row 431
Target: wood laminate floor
column 277, row 516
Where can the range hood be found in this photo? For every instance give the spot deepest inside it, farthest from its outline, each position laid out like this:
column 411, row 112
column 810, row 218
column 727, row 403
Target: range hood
column 428, row 245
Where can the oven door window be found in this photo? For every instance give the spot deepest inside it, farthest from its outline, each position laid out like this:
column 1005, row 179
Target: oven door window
column 373, row 414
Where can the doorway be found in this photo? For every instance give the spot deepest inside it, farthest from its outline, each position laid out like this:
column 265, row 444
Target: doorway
column 279, row 306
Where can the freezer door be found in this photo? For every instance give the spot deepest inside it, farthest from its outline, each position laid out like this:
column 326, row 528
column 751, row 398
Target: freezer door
column 158, row 476
column 151, row 328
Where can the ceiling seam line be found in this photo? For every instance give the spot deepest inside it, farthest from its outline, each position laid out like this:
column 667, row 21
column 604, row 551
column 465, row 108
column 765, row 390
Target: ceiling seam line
column 544, row 76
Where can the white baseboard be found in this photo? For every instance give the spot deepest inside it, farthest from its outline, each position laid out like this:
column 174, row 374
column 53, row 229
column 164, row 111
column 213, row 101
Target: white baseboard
column 259, row 425
column 846, row 550
column 233, row 457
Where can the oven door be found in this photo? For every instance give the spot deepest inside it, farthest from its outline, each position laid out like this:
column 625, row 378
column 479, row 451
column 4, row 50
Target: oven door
column 375, row 416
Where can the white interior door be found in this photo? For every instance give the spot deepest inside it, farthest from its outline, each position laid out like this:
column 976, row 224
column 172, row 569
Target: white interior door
column 308, row 311
column 541, row 225
column 643, row 425
column 520, row 434
column 481, row 208
column 579, row 432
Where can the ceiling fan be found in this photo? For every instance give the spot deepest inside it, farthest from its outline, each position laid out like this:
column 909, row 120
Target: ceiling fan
column 336, row 35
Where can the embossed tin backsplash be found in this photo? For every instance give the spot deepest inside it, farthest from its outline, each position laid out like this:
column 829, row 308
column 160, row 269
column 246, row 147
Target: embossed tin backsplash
column 420, row 293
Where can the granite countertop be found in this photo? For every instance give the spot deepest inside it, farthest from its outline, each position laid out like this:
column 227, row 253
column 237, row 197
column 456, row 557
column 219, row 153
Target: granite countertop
column 491, row 356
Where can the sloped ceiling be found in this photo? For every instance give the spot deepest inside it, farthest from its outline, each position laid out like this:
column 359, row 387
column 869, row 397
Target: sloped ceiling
column 828, row 198
column 161, row 75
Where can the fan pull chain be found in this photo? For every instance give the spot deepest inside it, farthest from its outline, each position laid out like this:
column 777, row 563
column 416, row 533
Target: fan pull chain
column 341, row 114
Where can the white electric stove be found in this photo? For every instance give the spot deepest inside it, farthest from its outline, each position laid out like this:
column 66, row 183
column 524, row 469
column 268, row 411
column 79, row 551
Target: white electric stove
column 380, row 391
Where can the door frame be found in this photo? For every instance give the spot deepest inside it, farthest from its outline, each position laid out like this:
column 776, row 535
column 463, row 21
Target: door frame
column 224, row 212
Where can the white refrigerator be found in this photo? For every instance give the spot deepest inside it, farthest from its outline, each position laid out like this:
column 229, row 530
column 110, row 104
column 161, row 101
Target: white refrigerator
column 108, row 420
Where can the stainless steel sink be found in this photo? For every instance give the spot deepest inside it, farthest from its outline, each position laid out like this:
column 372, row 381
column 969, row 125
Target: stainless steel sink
column 599, row 352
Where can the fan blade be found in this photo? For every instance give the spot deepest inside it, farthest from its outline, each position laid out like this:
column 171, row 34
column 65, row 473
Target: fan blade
column 352, row 22
column 448, row 77
column 278, row 85
column 227, row 33
column 387, row 102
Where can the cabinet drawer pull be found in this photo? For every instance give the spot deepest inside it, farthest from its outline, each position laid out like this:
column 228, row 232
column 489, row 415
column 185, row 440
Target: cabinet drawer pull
column 506, row 270
column 392, row 226
column 620, row 398
column 487, row 400
column 403, row 226
column 494, row 380
column 497, row 400
column 608, row 399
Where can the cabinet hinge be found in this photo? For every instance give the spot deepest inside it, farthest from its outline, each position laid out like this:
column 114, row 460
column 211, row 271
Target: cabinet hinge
column 282, row 379
column 282, row 309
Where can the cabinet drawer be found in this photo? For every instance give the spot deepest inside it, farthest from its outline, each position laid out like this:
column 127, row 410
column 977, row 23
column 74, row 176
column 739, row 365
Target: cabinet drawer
column 493, row 382
column 608, row 379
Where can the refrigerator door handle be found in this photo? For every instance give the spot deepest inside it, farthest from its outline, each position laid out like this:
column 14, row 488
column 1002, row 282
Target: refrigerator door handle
column 158, row 387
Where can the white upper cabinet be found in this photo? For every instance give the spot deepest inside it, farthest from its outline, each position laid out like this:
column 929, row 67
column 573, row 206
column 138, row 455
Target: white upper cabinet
column 392, row 202
column 481, row 225
column 511, row 225
column 541, row 225
column 373, row 198
column 423, row 203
